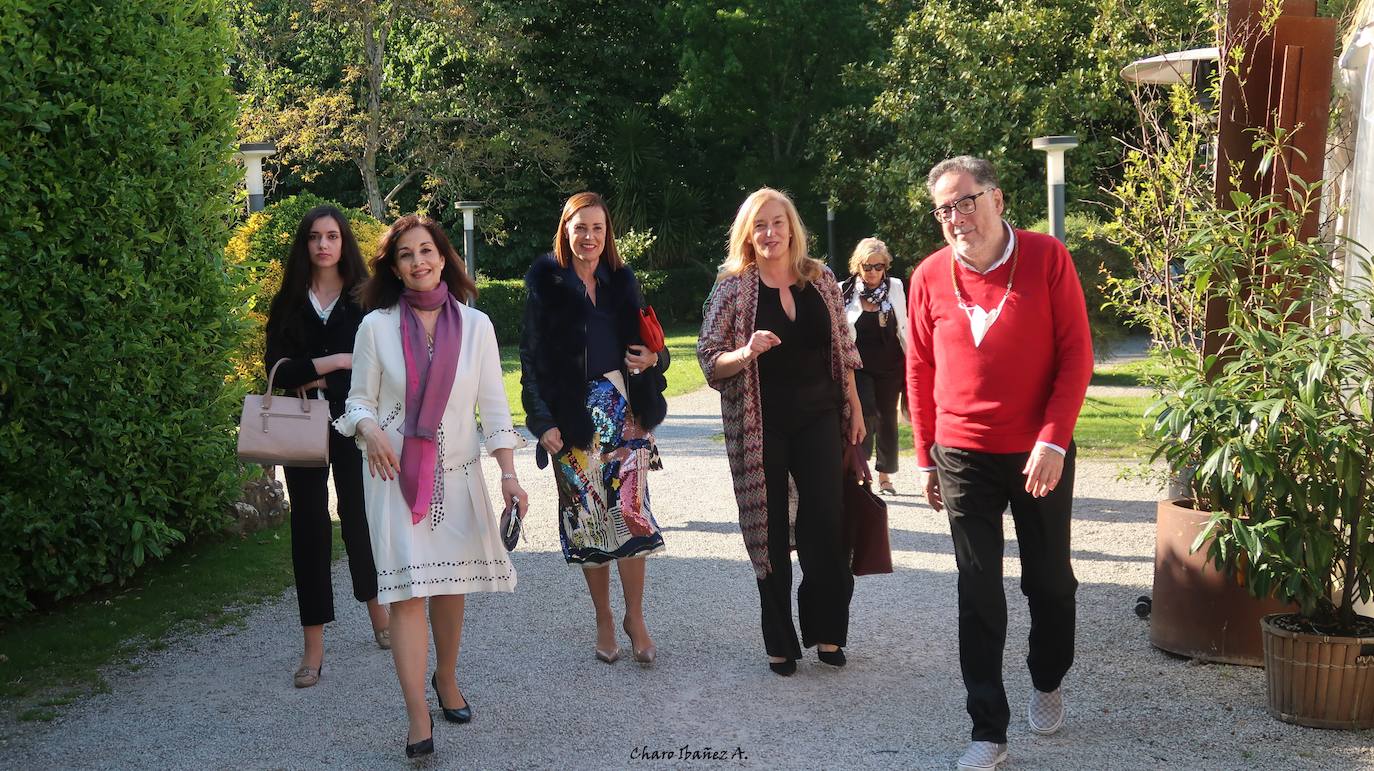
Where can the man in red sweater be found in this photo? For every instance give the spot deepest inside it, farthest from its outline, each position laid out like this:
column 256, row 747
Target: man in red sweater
column 997, row 367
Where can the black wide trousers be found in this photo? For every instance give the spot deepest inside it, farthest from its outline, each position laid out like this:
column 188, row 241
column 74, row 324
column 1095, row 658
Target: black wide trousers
column 977, row 487
column 810, row 450
column 879, row 394
column 312, row 533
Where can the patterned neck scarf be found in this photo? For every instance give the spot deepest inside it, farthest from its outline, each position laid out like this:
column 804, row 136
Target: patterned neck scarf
column 877, row 296
column 429, row 382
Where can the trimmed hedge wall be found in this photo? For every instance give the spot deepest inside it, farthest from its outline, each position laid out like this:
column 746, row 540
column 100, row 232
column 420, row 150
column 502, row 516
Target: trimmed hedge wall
column 676, row 295
column 116, row 437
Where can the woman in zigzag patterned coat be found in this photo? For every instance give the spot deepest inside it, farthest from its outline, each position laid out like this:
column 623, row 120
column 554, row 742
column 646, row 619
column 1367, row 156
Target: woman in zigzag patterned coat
column 774, row 342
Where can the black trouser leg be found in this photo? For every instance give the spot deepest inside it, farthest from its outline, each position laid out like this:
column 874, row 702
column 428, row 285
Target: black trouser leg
column 810, row 453
column 977, row 488
column 775, row 589
column 886, row 390
column 347, row 463
column 975, row 498
column 1043, row 534
column 866, row 386
column 827, row 584
column 311, row 543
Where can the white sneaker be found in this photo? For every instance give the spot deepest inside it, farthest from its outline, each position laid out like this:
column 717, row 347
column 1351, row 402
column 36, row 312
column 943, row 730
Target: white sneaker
column 983, row 756
column 1045, row 713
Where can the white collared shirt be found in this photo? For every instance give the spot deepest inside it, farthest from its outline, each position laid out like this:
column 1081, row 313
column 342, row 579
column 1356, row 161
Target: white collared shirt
column 323, row 313
column 1006, row 255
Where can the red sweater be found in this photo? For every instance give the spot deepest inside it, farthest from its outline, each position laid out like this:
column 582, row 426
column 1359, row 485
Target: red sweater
column 1027, row 380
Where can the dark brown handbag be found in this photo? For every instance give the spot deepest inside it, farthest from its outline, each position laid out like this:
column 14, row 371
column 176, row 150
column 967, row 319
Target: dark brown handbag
column 866, row 516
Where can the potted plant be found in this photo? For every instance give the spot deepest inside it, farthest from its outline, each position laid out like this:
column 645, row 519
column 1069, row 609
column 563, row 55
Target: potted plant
column 1162, row 204
column 1279, row 429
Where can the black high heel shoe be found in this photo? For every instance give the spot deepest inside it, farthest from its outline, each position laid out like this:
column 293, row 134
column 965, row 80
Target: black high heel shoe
column 834, row 658
column 424, row 746
column 784, row 668
column 461, row 715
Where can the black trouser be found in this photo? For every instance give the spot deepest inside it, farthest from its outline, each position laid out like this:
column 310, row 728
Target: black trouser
column 878, row 394
column 810, row 450
column 312, row 534
column 977, row 487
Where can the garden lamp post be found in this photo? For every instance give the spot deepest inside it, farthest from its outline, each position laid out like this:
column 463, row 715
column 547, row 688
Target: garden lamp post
column 251, row 154
column 469, row 210
column 1054, row 148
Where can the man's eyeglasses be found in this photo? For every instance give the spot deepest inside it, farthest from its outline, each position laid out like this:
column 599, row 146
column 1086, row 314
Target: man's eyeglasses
column 870, row 268
column 965, row 206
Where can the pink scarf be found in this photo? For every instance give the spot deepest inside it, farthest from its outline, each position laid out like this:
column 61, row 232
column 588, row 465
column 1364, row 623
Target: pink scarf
column 429, row 381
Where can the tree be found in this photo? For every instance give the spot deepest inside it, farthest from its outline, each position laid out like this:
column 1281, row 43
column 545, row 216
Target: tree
column 755, row 77
column 403, row 90
column 984, row 79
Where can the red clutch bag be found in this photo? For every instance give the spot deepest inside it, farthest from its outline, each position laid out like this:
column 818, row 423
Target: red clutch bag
column 650, row 331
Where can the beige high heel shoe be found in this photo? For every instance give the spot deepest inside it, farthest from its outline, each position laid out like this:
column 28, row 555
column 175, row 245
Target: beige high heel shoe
column 644, row 656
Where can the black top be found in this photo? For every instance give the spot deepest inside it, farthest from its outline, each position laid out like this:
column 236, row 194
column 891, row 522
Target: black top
column 301, row 337
column 605, row 349
column 794, row 377
column 878, row 345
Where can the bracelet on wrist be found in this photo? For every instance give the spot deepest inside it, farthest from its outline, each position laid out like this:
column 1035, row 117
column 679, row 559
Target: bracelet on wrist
column 504, row 477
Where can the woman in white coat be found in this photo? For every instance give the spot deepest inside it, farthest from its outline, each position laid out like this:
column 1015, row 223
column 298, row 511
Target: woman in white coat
column 423, row 362
column 875, row 307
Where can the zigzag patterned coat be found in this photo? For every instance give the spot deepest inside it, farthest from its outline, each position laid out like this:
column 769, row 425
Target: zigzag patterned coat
column 726, row 325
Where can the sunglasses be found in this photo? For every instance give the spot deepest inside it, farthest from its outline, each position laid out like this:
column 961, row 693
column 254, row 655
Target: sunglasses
column 871, row 268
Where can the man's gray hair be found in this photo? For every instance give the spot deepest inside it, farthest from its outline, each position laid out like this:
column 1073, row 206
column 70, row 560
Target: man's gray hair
column 981, row 171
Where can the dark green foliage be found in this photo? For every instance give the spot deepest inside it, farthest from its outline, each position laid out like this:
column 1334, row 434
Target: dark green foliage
column 116, row 439
column 675, row 294
column 1096, row 258
column 504, row 301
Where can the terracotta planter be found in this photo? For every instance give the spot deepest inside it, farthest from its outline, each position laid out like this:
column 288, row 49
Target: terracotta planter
column 1317, row 680
column 1197, row 611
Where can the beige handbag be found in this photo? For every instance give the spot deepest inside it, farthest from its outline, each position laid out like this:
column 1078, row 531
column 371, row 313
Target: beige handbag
column 284, row 430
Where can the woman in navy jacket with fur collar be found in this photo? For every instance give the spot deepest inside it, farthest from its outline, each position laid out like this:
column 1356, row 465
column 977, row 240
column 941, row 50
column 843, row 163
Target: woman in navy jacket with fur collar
column 592, row 392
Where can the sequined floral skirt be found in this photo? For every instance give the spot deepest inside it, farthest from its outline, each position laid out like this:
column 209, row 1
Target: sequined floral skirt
column 603, row 492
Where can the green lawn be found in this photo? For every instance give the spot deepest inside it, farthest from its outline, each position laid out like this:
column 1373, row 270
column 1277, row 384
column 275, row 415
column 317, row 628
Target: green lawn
column 684, row 376
column 50, row 658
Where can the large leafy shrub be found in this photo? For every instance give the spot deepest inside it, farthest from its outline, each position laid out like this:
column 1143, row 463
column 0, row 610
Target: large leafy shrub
column 116, row 439
column 256, row 255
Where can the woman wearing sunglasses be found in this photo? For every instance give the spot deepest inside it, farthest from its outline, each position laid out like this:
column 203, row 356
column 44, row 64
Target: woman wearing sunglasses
column 875, row 307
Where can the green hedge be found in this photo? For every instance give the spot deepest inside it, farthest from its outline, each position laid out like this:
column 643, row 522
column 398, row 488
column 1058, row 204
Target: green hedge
column 676, row 294
column 1096, row 258
column 116, row 438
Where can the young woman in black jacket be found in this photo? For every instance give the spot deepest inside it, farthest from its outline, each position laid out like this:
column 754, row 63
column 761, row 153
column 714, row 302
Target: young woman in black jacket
column 592, row 393
column 310, row 330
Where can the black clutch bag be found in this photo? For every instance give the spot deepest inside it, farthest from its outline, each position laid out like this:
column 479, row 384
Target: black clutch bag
column 510, row 524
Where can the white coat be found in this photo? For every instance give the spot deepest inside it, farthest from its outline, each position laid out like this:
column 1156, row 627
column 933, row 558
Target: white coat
column 456, row 548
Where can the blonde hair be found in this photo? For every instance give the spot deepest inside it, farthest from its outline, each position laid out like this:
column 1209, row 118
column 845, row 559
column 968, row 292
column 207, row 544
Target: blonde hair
column 741, row 246
column 863, row 249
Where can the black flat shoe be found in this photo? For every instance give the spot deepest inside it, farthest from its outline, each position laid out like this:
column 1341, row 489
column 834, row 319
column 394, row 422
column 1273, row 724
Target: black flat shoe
column 784, row 668
column 462, row 715
column 424, row 746
column 834, row 658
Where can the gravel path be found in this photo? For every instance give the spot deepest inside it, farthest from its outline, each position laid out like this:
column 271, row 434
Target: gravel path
column 223, row 699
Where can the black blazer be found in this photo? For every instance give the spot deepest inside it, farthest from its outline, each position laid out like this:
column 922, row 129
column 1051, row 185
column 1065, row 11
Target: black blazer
column 553, row 360
column 301, row 337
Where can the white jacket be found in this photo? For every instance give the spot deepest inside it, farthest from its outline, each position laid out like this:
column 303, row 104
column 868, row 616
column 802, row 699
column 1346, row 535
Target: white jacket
column 896, row 294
